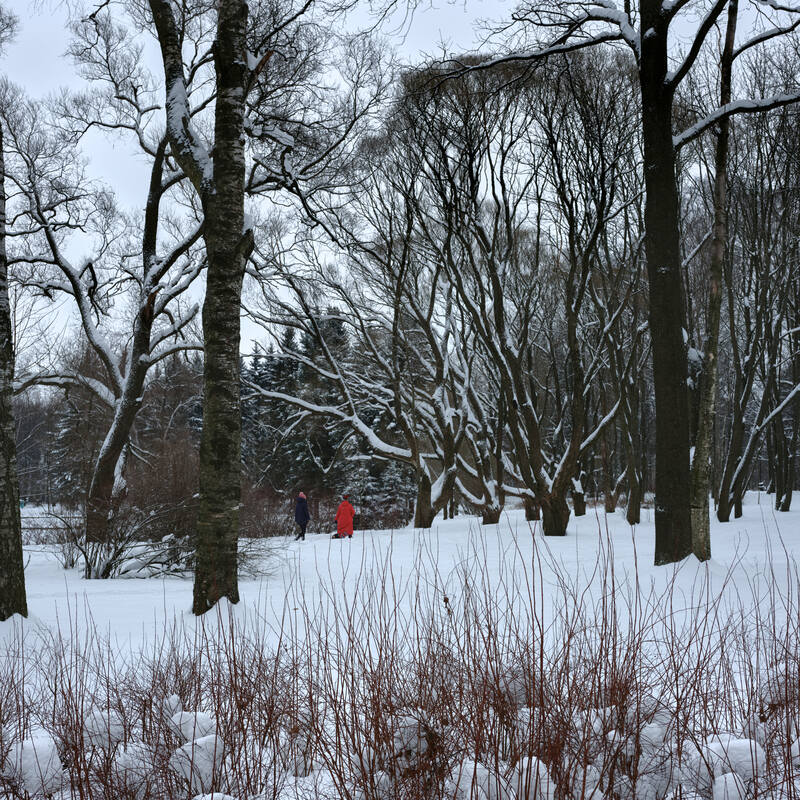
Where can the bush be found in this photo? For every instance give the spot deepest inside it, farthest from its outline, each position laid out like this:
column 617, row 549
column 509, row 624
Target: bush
column 454, row 687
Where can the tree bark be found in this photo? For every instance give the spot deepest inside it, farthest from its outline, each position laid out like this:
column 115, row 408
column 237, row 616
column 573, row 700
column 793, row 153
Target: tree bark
column 228, row 246
column 579, row 504
column 633, row 511
column 555, row 515
column 424, row 512
column 701, row 464
column 727, row 489
column 786, row 499
column 667, row 315
column 12, row 569
column 490, row 515
column 610, row 493
column 532, row 509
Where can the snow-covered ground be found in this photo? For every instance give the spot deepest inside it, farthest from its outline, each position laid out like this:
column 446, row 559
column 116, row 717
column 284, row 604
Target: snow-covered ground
column 468, row 661
column 131, row 611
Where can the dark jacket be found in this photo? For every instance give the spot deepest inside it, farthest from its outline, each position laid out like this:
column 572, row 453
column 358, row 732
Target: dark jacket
column 301, row 515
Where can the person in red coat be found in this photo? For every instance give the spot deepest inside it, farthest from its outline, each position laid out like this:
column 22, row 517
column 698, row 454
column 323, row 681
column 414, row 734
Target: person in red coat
column 344, row 519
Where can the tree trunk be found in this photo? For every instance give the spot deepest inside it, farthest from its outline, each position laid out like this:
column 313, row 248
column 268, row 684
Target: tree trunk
column 667, row 316
column 555, row 515
column 490, row 515
column 724, row 507
column 633, row 511
column 794, row 347
column 12, row 568
column 424, row 513
column 532, row 509
column 579, row 494
column 780, row 458
column 108, row 471
column 701, row 464
column 786, row 500
column 791, row 469
column 228, row 246
column 100, row 503
column 734, row 456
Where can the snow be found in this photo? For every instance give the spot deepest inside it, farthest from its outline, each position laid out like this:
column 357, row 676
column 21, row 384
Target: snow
column 193, row 725
column 35, row 764
column 730, row 753
column 472, row 780
column 197, row 761
column 103, row 728
column 134, row 612
column 533, row 781
column 729, row 787
column 753, row 558
column 730, row 109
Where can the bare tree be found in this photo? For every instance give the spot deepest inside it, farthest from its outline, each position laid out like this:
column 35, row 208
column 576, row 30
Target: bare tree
column 57, row 207
column 397, row 313
column 218, row 176
column 264, row 60
column 516, row 197
column 758, row 282
column 558, row 27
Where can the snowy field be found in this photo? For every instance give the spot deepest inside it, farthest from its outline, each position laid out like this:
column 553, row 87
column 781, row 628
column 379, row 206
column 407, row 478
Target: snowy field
column 754, row 553
column 461, row 662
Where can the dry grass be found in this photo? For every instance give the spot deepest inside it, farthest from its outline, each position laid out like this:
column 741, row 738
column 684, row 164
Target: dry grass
column 433, row 687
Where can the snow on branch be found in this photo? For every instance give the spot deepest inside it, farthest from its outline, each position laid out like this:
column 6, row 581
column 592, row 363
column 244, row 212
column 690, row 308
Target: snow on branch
column 66, row 381
column 697, row 43
column 731, row 109
column 760, row 427
column 169, row 332
column 765, row 36
column 335, row 412
column 601, row 426
column 535, row 55
column 187, row 147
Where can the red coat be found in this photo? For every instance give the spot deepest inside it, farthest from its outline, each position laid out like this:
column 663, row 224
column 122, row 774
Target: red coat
column 344, row 519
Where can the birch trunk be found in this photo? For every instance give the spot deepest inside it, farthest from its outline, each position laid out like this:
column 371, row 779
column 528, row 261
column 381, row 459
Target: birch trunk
column 701, row 465
column 227, row 250
column 220, row 186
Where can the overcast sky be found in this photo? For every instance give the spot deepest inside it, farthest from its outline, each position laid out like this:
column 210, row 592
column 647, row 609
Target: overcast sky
column 36, row 62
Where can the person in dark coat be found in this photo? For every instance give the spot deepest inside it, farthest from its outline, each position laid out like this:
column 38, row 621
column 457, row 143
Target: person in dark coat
column 301, row 515
column 344, row 519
